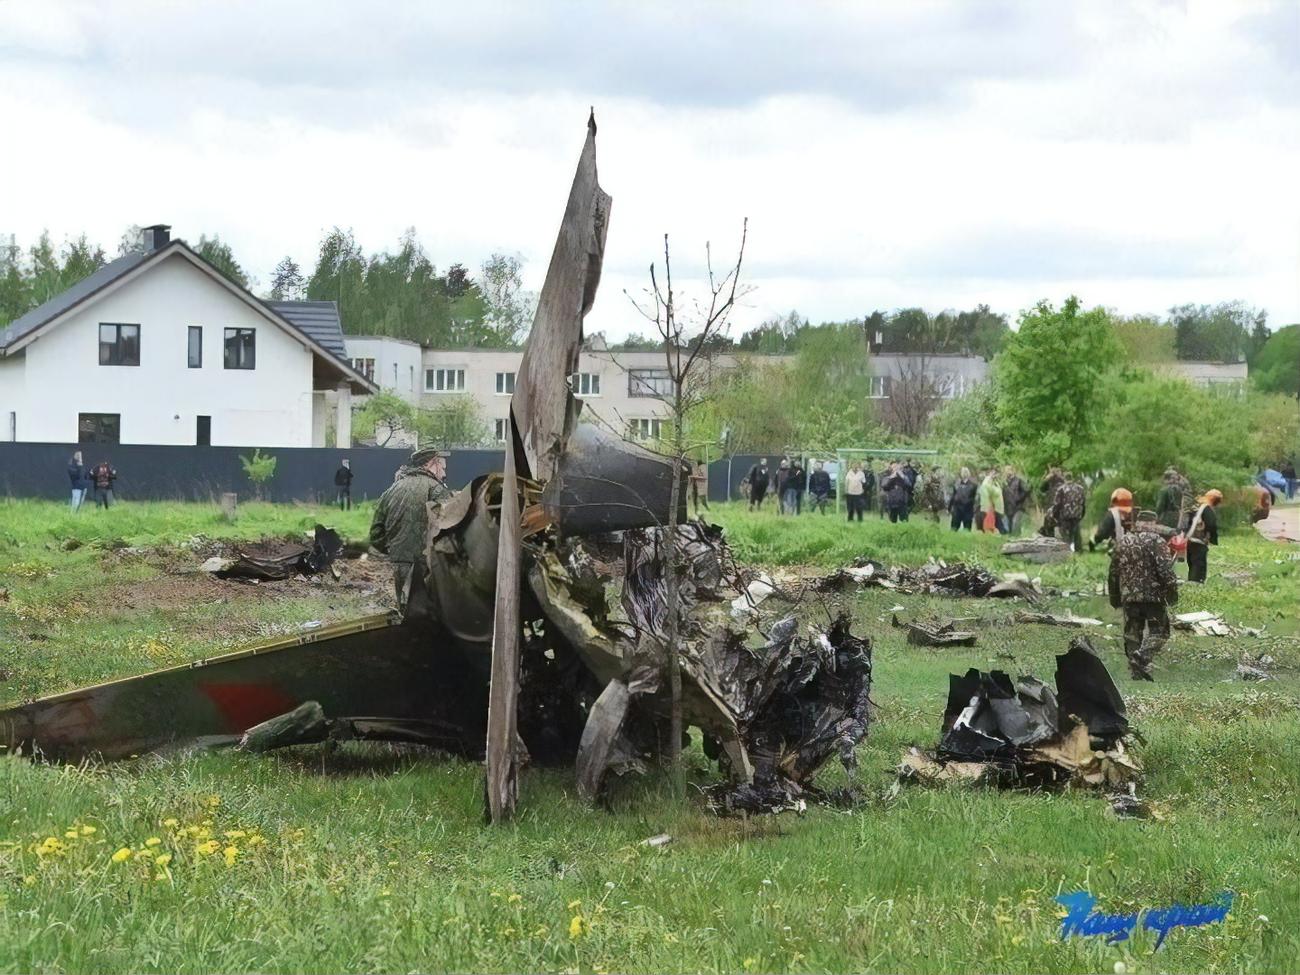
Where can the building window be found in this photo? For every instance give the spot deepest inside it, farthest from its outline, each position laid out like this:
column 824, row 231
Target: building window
column 119, row 345
column 241, row 348
column 501, row 431
column 99, row 427
column 367, row 368
column 585, row 383
column 879, row 387
column 444, row 380
column 196, row 347
column 649, row 382
column 645, row 429
column 505, row 382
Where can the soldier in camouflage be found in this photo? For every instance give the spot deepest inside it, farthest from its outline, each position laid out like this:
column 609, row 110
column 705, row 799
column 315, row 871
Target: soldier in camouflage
column 1067, row 511
column 401, row 518
column 1143, row 583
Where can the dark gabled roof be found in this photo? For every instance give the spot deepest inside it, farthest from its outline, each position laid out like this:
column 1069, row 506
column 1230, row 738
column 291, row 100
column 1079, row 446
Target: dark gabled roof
column 318, row 320
column 65, row 300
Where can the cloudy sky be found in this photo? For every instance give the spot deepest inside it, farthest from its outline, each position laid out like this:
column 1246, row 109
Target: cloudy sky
column 1139, row 154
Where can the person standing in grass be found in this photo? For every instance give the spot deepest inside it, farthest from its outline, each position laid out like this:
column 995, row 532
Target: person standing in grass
column 962, row 503
column 897, row 493
column 77, row 475
column 1202, row 530
column 1169, row 502
column 757, row 478
column 930, row 498
column 1142, row 583
column 819, row 486
column 103, row 477
column 855, row 482
column 699, row 486
column 992, row 508
column 401, row 518
column 795, row 485
column 343, row 485
column 1068, row 509
column 1117, row 521
column 1015, row 497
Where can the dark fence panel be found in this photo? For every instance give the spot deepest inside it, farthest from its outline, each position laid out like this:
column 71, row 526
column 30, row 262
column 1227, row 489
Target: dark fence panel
column 150, row 472
column 725, row 475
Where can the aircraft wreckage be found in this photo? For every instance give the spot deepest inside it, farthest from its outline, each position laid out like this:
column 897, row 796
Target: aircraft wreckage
column 539, row 629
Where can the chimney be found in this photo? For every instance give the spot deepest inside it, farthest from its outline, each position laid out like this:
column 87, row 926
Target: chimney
column 156, row 237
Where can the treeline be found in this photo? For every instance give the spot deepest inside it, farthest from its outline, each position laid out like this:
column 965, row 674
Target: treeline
column 399, row 292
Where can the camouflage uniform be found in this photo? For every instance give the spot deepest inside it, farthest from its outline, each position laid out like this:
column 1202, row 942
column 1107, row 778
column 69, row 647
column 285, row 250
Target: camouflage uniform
column 1067, row 512
column 399, row 526
column 931, row 499
column 1143, row 583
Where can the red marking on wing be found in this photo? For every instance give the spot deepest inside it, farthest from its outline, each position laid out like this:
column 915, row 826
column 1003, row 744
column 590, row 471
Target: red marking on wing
column 244, row 705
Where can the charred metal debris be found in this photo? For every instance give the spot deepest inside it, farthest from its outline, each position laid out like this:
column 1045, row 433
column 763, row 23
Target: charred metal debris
column 1028, row 735
column 937, row 578
column 285, row 562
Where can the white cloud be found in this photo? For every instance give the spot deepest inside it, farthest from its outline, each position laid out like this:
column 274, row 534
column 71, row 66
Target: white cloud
column 1139, row 154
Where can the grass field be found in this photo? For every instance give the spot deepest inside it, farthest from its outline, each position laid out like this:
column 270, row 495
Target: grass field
column 374, row 859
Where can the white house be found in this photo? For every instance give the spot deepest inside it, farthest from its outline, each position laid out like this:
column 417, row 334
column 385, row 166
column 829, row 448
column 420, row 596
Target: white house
column 161, row 348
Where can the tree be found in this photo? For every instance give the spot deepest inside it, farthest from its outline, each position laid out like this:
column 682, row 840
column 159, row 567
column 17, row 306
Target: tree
column 131, row 241
column 1144, row 339
column 914, row 394
column 15, row 298
column 686, row 358
column 510, row 308
column 218, row 253
column 1051, row 394
column 287, row 282
column 260, row 468
column 383, row 416
column 776, row 336
column 1215, row 333
column 1276, row 368
column 636, row 342
column 456, row 422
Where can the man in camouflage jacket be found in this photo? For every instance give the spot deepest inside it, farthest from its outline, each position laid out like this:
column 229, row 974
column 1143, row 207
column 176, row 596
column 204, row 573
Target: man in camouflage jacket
column 1142, row 582
column 1068, row 508
column 401, row 518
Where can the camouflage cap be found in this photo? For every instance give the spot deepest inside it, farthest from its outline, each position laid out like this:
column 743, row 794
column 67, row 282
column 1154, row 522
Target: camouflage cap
column 425, row 454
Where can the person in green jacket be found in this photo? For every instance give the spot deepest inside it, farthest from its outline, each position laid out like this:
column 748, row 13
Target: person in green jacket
column 1169, row 502
column 401, row 518
column 990, row 499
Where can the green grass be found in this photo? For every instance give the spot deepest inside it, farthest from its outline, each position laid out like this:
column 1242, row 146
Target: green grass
column 375, row 859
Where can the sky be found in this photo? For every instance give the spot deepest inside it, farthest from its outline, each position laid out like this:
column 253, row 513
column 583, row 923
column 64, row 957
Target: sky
column 1137, row 154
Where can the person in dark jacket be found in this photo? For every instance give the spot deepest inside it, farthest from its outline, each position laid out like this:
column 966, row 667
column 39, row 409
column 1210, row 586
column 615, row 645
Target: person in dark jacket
column 1067, row 511
column 782, row 475
column 1202, row 530
column 1116, row 522
column 758, row 475
column 795, row 485
column 819, row 487
column 1169, row 502
column 1288, row 472
column 103, row 477
column 1015, row 498
column 343, row 485
column 897, row 493
column 77, row 475
column 961, row 506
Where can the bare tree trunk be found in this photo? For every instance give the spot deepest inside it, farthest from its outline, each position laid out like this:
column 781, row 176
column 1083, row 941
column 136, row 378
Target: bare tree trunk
column 673, row 601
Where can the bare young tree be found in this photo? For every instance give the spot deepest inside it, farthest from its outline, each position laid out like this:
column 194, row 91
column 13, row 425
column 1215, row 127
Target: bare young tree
column 913, row 396
column 689, row 343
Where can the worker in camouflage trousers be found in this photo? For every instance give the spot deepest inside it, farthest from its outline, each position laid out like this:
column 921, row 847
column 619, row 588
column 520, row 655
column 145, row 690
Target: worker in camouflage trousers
column 1068, row 508
column 401, row 518
column 1143, row 583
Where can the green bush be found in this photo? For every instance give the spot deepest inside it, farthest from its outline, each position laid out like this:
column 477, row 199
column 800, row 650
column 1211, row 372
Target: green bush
column 259, row 467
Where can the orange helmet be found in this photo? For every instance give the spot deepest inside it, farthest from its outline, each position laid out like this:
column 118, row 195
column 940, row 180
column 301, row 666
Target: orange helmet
column 1121, row 498
column 1213, row 496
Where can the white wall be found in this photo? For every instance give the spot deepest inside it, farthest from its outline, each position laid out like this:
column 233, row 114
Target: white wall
column 13, row 392
column 397, row 363
column 270, row 405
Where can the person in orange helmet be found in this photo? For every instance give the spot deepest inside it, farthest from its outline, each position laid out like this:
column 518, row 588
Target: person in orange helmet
column 1202, row 531
column 1117, row 520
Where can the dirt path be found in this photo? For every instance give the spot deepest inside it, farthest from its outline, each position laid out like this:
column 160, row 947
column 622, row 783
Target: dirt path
column 1282, row 524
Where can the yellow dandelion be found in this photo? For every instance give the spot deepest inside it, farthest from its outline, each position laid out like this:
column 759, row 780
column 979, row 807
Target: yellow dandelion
column 163, row 859
column 71, row 834
column 578, row 926
column 29, row 881
column 207, row 848
column 257, row 840
column 214, row 802
column 514, row 898
column 88, row 831
column 171, row 822
column 230, row 853
column 153, row 841
column 122, row 855
column 235, row 834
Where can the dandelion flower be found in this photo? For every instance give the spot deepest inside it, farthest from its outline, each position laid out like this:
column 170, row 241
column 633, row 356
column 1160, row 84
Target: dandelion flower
column 230, row 853
column 153, row 841
column 234, row 834
column 258, row 840
column 71, row 834
column 207, row 848
column 214, row 802
column 122, row 855
column 577, row 927
column 163, row 859
column 88, row 831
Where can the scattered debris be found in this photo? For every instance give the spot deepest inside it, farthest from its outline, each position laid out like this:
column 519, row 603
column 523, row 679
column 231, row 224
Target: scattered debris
column 1028, row 735
column 939, row 633
column 1255, row 668
column 663, row 839
column 1038, row 549
column 286, row 562
column 1051, row 619
column 1206, row 623
column 935, row 577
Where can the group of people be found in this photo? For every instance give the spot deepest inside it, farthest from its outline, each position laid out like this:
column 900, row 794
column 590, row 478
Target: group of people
column 99, row 479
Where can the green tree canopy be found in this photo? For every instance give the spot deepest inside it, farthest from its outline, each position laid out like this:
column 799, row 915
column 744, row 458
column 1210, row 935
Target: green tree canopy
column 218, row 253
column 1276, row 368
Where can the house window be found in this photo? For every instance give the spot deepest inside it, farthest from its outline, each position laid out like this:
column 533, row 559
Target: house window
column 444, row 380
column 501, row 431
column 649, row 382
column 99, row 427
column 585, row 383
column 505, row 382
column 645, row 429
column 879, row 387
column 196, row 347
column 367, row 368
column 241, row 348
column 119, row 345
